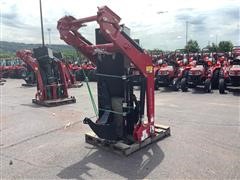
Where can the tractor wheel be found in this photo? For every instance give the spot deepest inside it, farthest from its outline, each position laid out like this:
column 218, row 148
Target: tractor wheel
column 183, row 84
column 156, row 87
column 176, row 84
column 207, row 86
column 215, row 79
column 221, row 86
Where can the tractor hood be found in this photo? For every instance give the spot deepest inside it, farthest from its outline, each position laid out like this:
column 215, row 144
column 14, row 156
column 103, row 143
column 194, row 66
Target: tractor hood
column 167, row 68
column 234, row 70
column 197, row 70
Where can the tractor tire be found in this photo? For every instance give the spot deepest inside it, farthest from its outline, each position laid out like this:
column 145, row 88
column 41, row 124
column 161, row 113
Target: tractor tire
column 176, row 84
column 156, row 86
column 184, row 86
column 208, row 86
column 221, row 86
column 215, row 79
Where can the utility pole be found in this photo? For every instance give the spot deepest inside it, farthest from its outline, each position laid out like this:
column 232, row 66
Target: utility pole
column 238, row 36
column 216, row 39
column 49, row 35
column 186, row 32
column 43, row 44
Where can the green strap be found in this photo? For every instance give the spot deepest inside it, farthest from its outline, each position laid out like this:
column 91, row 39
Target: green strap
column 89, row 89
column 90, row 93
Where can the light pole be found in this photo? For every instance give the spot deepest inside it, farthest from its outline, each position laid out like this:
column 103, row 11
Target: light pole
column 40, row 2
column 49, row 35
column 238, row 33
column 186, row 32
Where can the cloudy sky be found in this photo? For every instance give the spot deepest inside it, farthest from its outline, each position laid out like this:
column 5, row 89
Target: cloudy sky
column 157, row 23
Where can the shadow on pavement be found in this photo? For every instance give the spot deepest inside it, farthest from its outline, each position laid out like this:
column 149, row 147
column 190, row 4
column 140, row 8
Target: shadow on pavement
column 235, row 91
column 135, row 166
column 32, row 105
column 199, row 90
column 166, row 90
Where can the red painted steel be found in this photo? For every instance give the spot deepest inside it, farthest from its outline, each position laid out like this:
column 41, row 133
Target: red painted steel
column 108, row 21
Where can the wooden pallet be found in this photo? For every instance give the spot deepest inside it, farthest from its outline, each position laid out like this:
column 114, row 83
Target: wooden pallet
column 77, row 85
column 121, row 147
column 57, row 102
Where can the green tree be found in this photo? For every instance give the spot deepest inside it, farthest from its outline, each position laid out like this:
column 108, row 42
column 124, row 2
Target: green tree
column 213, row 47
column 71, row 55
column 7, row 55
column 155, row 51
column 192, row 46
column 225, row 46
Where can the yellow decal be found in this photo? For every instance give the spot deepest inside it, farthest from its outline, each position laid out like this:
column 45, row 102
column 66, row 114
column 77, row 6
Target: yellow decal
column 149, row 69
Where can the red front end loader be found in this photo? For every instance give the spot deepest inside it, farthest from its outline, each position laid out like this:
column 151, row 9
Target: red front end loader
column 120, row 123
column 51, row 81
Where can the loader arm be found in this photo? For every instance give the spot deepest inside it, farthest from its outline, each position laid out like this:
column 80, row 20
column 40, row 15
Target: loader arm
column 26, row 56
column 108, row 21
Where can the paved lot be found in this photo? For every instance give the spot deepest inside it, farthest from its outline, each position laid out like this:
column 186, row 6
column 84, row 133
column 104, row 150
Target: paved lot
column 35, row 142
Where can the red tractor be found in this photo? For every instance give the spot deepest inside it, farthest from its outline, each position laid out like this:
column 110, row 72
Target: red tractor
column 217, row 60
column 1, row 73
column 187, row 63
column 199, row 74
column 168, row 73
column 230, row 72
column 86, row 69
column 12, row 68
column 71, row 78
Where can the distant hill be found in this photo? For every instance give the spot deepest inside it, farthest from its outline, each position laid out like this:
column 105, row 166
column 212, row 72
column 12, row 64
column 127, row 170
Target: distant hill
column 12, row 47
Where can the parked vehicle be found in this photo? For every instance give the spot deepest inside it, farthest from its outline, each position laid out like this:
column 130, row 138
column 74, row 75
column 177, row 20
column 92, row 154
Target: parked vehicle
column 230, row 72
column 199, row 75
column 12, row 68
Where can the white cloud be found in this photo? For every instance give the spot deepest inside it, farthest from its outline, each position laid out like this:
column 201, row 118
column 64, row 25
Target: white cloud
column 20, row 19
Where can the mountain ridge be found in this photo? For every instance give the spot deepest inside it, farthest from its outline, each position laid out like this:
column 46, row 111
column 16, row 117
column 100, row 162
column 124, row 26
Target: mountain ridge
column 12, row 47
